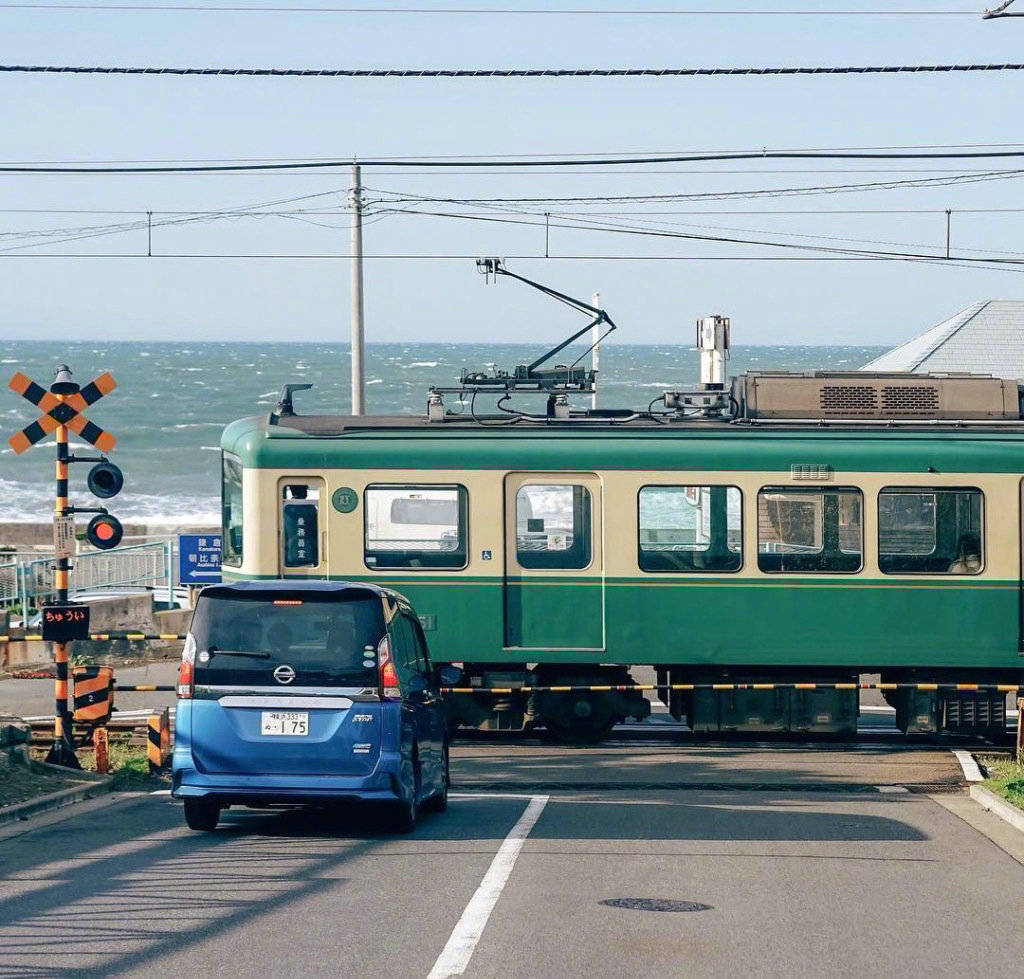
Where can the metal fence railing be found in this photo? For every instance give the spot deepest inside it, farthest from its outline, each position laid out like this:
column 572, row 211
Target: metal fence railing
column 30, row 581
column 9, row 579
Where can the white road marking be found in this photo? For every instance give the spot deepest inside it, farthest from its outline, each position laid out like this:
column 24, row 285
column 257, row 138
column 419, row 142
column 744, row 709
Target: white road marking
column 491, row 795
column 892, row 788
column 161, row 792
column 462, row 942
column 970, row 767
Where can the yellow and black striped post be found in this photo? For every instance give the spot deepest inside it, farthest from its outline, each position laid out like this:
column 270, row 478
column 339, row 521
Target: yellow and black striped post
column 63, row 750
column 158, row 741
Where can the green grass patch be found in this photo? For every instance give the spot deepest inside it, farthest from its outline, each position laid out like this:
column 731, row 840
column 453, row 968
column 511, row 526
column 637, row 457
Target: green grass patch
column 130, row 768
column 1005, row 778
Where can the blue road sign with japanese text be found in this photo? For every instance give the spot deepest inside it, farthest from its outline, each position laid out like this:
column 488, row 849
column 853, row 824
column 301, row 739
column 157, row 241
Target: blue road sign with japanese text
column 198, row 559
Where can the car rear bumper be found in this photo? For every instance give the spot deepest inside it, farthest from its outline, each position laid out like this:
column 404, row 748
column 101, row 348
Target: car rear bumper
column 187, row 781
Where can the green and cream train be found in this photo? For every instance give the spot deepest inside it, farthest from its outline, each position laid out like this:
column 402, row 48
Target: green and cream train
column 806, row 528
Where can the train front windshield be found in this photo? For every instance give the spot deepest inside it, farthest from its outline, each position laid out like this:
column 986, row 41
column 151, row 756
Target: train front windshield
column 327, row 641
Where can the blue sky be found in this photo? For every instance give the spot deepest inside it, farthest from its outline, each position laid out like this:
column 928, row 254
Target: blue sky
column 87, row 118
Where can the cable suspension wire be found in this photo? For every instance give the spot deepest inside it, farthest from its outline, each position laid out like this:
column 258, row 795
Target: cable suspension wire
column 717, row 239
column 565, row 222
column 400, row 197
column 762, row 212
column 510, row 72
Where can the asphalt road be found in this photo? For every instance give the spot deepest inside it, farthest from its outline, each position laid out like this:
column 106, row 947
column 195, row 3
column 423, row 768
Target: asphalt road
column 792, row 880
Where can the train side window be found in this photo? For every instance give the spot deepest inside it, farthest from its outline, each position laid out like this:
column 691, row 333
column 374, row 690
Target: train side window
column 690, row 528
column 418, row 527
column 231, row 510
column 804, row 530
column 930, row 531
column 553, row 526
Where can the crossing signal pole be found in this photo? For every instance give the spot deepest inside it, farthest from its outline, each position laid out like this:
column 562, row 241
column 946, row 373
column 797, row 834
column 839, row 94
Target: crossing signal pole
column 62, row 410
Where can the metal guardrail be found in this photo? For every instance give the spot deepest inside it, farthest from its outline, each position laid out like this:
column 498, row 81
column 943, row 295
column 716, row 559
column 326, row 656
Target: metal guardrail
column 29, row 580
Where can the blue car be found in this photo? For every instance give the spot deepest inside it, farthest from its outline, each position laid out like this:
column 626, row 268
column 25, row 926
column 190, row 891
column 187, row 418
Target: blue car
column 308, row 692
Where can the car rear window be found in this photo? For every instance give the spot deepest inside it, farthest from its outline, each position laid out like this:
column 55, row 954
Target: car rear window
column 328, row 639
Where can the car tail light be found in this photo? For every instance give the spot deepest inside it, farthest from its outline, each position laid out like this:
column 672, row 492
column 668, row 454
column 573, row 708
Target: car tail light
column 187, row 670
column 389, row 688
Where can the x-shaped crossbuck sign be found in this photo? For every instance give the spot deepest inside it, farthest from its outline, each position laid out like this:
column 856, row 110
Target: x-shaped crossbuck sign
column 62, row 411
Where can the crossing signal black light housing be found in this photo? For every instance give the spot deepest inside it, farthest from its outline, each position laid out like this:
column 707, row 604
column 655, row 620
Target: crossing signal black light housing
column 62, row 383
column 104, row 531
column 105, row 480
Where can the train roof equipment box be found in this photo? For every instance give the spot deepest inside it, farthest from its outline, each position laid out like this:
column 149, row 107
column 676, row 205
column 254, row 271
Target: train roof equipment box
column 857, row 395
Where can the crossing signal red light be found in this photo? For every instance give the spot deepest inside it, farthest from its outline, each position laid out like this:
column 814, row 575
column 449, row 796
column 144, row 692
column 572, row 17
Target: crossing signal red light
column 104, row 531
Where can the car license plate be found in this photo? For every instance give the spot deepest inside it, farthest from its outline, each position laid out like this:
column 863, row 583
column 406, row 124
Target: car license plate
column 291, row 723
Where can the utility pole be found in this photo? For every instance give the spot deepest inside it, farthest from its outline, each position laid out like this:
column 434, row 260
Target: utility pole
column 948, row 230
column 358, row 389
column 149, row 234
column 595, row 339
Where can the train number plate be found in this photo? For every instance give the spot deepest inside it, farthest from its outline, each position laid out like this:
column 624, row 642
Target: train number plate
column 290, row 723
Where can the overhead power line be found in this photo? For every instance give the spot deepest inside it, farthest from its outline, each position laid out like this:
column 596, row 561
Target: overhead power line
column 513, row 162
column 753, row 152
column 506, row 11
column 509, row 72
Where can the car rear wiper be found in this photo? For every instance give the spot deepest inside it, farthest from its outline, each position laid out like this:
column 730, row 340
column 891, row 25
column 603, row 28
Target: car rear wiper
column 213, row 651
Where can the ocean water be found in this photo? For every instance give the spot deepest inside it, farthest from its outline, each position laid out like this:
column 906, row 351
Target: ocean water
column 174, row 399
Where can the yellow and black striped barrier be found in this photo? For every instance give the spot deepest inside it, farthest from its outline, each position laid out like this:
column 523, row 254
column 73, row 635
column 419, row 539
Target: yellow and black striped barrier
column 94, row 694
column 103, row 637
column 625, row 687
column 158, row 742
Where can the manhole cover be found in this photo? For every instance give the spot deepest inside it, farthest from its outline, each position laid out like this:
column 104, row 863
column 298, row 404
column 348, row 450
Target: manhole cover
column 654, row 904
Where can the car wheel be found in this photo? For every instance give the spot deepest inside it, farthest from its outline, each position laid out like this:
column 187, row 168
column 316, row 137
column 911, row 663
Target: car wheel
column 403, row 813
column 439, row 802
column 201, row 814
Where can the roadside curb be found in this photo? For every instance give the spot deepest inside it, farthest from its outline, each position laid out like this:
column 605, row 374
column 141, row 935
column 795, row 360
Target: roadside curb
column 56, row 800
column 999, row 806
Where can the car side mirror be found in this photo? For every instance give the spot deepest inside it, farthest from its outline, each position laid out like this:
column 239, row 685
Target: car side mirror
column 417, row 683
column 449, row 676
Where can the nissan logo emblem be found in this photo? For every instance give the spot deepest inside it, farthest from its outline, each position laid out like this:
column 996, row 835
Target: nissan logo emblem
column 284, row 673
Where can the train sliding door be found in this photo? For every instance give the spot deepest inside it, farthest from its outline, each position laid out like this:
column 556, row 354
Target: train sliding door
column 554, row 562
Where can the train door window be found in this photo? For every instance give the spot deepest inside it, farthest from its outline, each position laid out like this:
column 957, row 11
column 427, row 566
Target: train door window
column 416, row 527
column 300, row 525
column 690, row 528
column 231, row 510
column 930, row 531
column 809, row 531
column 553, row 526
